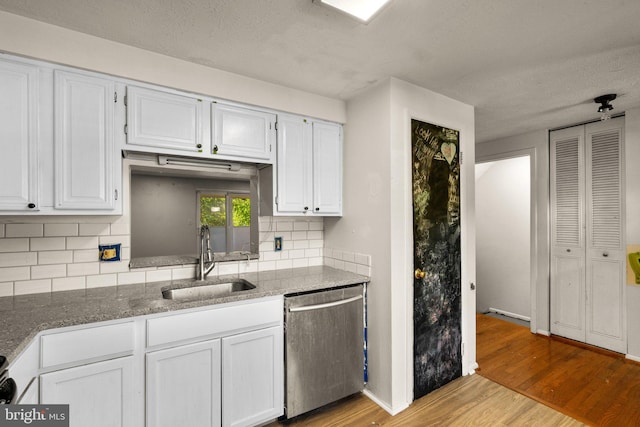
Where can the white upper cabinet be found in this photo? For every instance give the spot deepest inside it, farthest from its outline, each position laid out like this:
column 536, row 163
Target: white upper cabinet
column 87, row 171
column 18, row 136
column 327, row 169
column 164, row 120
column 242, row 132
column 309, row 167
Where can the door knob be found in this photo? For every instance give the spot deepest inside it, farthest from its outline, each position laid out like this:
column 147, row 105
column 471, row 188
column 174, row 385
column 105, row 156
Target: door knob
column 419, row 274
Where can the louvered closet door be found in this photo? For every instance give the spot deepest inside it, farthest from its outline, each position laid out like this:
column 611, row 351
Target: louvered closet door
column 567, row 233
column 605, row 280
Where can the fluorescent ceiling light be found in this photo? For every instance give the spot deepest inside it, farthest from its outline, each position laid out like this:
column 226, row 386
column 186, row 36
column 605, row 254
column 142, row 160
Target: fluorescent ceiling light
column 361, row 9
column 164, row 160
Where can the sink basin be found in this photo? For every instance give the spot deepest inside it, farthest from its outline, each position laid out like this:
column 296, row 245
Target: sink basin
column 207, row 290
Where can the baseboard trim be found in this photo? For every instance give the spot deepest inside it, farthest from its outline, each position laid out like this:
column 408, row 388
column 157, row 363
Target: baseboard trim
column 509, row 314
column 384, row 405
column 543, row 332
column 632, row 358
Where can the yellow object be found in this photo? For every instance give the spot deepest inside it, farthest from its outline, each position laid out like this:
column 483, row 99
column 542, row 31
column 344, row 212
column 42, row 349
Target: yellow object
column 108, row 254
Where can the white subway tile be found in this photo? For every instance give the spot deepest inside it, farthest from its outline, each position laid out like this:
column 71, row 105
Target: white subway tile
column 266, row 265
column 299, row 263
column 329, row 262
column 60, row 230
column 316, row 225
column 349, row 257
column 250, row 267
column 158, row 275
column 86, row 255
column 315, row 244
column 300, row 244
column 339, row 264
column 314, row 235
column 83, row 269
column 363, row 259
column 183, row 273
column 225, row 268
column 84, row 242
column 314, row 262
column 284, row 263
column 24, row 230
column 32, row 287
column 363, row 269
column 102, row 280
column 114, row 267
column 68, row 283
column 284, row 226
column 120, row 229
column 55, row 257
column 350, row 266
column 14, row 245
column 16, row 259
column 300, row 226
column 312, row 253
column 270, row 256
column 297, row 253
column 48, row 244
column 299, row 235
column 6, row 289
column 266, row 246
column 11, row 274
column 48, row 271
column 131, row 278
column 125, row 253
column 328, row 252
column 94, row 229
column 125, row 241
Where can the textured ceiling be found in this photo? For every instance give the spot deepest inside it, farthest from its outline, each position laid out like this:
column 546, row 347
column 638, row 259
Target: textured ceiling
column 525, row 65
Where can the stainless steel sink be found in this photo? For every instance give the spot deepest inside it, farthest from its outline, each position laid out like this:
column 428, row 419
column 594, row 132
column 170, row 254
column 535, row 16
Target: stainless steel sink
column 199, row 289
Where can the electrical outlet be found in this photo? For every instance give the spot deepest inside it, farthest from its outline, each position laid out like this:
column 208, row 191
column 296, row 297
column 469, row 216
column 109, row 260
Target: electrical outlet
column 277, row 243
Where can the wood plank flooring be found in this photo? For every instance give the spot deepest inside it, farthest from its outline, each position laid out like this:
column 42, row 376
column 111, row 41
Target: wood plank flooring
column 597, row 387
column 467, row 401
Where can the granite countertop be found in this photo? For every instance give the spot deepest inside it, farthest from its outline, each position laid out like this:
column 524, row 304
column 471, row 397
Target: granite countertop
column 23, row 317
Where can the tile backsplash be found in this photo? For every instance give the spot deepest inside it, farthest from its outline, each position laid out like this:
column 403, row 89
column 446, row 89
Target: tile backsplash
column 47, row 256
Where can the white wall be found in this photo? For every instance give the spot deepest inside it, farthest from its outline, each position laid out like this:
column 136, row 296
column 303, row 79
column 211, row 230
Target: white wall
column 30, row 38
column 535, row 144
column 632, row 158
column 378, row 220
column 503, row 236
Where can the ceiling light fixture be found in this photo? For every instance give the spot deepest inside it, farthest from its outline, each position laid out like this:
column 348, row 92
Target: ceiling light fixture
column 605, row 106
column 363, row 10
column 165, row 160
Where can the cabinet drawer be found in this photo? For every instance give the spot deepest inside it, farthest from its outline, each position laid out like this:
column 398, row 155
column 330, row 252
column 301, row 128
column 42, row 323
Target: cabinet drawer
column 213, row 322
column 100, row 342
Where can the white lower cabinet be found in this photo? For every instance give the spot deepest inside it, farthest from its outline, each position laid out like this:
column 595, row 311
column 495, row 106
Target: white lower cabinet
column 183, row 386
column 252, row 375
column 99, row 394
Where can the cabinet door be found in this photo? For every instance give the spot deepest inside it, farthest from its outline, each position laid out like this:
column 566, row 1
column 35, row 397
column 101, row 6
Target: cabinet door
column 252, row 377
column 99, row 394
column 183, row 386
column 327, row 169
column 162, row 119
column 85, row 152
column 18, row 136
column 294, row 165
column 242, row 132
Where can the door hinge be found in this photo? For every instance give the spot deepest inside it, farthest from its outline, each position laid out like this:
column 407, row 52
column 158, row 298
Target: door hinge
column 126, row 129
column 116, row 193
column 125, row 100
column 269, row 147
column 275, row 125
column 115, row 97
column 276, row 200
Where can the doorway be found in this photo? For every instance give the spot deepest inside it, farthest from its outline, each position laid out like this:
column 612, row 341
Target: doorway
column 503, row 237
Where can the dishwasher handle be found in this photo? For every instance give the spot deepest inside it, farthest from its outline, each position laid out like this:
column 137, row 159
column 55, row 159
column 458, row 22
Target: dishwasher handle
column 325, row 305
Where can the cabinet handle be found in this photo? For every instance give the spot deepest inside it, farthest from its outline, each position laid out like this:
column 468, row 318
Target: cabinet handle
column 317, row 209
column 215, row 149
column 306, row 208
column 31, row 205
column 198, row 145
column 605, row 254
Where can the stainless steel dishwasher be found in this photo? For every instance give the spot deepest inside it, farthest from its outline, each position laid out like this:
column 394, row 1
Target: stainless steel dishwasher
column 323, row 348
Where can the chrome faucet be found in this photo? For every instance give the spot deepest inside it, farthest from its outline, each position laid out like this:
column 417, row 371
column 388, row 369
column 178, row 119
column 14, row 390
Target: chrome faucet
column 206, row 263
